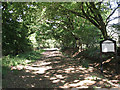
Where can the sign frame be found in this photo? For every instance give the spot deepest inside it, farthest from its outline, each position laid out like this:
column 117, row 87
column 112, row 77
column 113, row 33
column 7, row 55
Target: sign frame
column 115, row 52
column 114, row 42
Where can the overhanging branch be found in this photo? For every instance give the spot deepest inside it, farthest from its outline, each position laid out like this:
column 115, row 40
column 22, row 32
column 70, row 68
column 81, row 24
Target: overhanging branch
column 74, row 12
column 113, row 19
column 111, row 14
column 87, row 17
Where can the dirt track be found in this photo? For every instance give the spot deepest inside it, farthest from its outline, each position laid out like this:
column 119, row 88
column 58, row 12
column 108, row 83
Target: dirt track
column 54, row 70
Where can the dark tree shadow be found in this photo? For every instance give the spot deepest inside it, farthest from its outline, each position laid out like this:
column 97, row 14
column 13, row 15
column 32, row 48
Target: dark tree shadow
column 110, row 64
column 57, row 71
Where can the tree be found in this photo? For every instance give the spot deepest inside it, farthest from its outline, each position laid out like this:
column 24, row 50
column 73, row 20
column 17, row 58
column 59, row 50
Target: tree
column 68, row 28
column 95, row 12
column 14, row 26
column 66, row 22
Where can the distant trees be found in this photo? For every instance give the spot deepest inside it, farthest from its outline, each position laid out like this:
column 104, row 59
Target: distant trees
column 72, row 30
column 70, row 24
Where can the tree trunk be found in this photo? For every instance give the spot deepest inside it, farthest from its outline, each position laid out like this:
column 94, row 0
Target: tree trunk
column 102, row 27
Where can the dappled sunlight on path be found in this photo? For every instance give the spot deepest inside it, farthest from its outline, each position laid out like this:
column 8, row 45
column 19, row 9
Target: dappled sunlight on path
column 53, row 70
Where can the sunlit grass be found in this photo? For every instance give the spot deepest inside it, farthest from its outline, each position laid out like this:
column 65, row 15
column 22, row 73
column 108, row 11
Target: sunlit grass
column 23, row 59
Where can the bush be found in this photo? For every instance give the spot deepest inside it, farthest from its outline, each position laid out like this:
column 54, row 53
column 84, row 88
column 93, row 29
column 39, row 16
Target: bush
column 93, row 54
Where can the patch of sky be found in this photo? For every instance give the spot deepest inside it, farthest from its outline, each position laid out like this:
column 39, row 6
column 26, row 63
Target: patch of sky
column 1, row 7
column 11, row 11
column 24, row 13
column 31, row 6
column 54, row 26
column 113, row 6
column 10, row 19
column 57, row 17
column 28, row 6
column 20, row 19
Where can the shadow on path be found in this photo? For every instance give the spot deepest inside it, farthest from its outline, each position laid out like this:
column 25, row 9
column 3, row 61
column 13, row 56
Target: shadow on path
column 53, row 70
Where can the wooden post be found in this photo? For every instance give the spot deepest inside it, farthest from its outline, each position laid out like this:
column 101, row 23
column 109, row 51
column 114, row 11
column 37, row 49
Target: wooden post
column 116, row 59
column 105, row 46
column 101, row 65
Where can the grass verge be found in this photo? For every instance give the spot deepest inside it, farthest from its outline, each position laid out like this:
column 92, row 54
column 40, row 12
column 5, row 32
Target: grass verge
column 24, row 58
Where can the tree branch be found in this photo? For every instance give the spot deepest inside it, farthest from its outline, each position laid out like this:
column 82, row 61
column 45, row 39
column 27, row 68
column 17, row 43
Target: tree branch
column 74, row 12
column 94, row 17
column 92, row 21
column 100, row 17
column 99, row 4
column 111, row 13
column 113, row 19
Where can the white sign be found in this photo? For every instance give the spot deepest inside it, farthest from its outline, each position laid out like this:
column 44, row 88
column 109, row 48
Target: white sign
column 108, row 46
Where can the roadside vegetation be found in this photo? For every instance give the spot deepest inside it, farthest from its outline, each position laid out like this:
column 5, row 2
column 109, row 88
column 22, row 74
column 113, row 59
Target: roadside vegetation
column 21, row 59
column 76, row 28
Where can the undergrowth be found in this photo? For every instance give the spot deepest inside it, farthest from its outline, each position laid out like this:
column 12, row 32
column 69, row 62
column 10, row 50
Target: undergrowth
column 24, row 58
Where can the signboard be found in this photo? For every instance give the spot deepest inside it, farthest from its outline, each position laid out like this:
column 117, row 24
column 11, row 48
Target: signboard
column 108, row 46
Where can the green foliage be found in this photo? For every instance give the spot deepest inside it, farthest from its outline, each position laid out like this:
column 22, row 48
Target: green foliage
column 21, row 58
column 15, row 33
column 65, row 26
column 97, row 13
column 24, row 58
column 92, row 52
column 69, row 24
